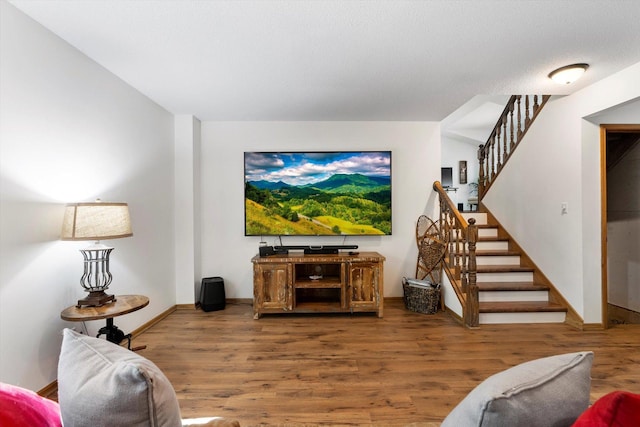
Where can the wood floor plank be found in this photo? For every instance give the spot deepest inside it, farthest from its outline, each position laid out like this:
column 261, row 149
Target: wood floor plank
column 354, row 370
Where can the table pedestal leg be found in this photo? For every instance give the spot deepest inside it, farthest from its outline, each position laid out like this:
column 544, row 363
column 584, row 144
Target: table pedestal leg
column 114, row 334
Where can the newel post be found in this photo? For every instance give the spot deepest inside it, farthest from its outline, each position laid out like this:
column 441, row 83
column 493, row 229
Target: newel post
column 472, row 307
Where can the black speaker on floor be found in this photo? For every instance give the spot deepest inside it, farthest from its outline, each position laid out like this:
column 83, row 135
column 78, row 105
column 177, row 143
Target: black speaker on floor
column 212, row 295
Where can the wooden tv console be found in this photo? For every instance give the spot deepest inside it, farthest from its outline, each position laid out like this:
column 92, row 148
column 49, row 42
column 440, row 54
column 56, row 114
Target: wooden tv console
column 310, row 283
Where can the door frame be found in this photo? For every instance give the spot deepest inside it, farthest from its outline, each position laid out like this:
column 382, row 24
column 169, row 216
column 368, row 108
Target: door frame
column 604, row 129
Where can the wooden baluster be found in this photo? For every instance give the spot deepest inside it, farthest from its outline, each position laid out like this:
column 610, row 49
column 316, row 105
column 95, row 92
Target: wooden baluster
column 496, row 154
column 527, row 118
column 535, row 104
column 518, row 99
column 452, row 237
column 487, row 175
column 472, row 308
column 489, row 161
column 440, row 215
column 493, row 155
column 445, row 218
column 464, row 282
column 452, row 254
column 505, row 125
column 481, row 172
column 456, row 255
column 513, row 143
column 452, row 246
column 443, row 223
column 493, row 158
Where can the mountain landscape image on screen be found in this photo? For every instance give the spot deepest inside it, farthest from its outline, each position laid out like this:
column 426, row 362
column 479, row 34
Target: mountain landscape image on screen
column 318, row 193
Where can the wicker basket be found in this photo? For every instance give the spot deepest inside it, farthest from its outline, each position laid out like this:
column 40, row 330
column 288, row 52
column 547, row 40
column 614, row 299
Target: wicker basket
column 421, row 296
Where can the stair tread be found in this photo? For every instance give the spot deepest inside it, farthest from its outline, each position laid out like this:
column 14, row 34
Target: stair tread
column 511, row 286
column 491, row 239
column 494, row 252
column 520, row 307
column 485, row 225
column 497, row 253
column 502, row 268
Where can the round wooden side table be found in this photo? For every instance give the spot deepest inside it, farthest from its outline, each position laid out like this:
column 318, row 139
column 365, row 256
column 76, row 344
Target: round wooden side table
column 122, row 304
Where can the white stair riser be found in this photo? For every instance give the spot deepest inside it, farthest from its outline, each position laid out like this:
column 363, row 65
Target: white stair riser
column 481, row 218
column 511, row 276
column 537, row 317
column 513, row 296
column 487, row 232
column 498, row 260
column 492, row 246
column 482, row 232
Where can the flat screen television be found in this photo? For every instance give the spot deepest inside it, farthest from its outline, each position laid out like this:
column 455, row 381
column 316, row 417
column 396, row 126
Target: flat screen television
column 446, row 177
column 317, row 193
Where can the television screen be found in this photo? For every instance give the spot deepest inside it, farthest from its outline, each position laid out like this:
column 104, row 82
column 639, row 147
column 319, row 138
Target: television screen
column 317, row 193
column 446, row 177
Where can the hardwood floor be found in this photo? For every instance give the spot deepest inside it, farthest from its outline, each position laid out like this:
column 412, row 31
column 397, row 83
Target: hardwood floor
column 358, row 369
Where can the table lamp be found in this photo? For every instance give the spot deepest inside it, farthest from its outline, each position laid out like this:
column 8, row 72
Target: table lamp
column 96, row 221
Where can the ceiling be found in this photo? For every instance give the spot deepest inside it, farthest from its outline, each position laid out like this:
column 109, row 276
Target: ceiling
column 342, row 60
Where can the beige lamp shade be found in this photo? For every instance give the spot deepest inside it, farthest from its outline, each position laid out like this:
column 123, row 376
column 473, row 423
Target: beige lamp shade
column 96, row 221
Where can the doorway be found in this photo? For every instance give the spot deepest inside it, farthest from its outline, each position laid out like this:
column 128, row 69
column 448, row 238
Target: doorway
column 620, row 147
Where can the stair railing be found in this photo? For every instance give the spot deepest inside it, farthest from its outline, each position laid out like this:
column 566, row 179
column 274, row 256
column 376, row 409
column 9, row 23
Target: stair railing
column 460, row 256
column 515, row 120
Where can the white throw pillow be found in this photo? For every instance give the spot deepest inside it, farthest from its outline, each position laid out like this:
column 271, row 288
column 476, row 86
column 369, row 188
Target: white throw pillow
column 548, row 392
column 103, row 384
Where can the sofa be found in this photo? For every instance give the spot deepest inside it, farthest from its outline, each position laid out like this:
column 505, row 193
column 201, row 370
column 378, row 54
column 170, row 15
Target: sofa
column 102, row 384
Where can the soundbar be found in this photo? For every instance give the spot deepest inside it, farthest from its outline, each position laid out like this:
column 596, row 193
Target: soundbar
column 317, row 249
column 308, row 249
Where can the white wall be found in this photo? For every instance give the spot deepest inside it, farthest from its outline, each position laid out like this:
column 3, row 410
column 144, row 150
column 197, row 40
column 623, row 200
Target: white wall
column 71, row 131
column 453, row 151
column 559, row 161
column 187, row 208
column 227, row 252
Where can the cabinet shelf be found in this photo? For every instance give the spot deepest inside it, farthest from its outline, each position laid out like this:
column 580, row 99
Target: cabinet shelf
column 327, row 282
column 319, row 307
column 317, row 296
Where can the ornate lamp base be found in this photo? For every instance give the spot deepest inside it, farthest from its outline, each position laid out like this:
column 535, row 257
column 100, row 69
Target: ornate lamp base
column 96, row 277
column 95, row 299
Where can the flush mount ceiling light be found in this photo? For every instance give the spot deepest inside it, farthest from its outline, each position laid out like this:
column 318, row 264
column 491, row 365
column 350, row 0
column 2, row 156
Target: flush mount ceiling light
column 569, row 74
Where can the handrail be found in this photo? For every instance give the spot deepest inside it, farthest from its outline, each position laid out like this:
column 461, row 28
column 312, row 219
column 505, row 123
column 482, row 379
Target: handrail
column 506, row 136
column 460, row 256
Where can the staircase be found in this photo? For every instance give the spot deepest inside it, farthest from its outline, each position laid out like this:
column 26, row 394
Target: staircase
column 493, row 279
column 509, row 291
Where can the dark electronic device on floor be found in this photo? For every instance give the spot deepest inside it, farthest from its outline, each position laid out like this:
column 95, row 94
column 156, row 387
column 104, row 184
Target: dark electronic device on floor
column 212, row 295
